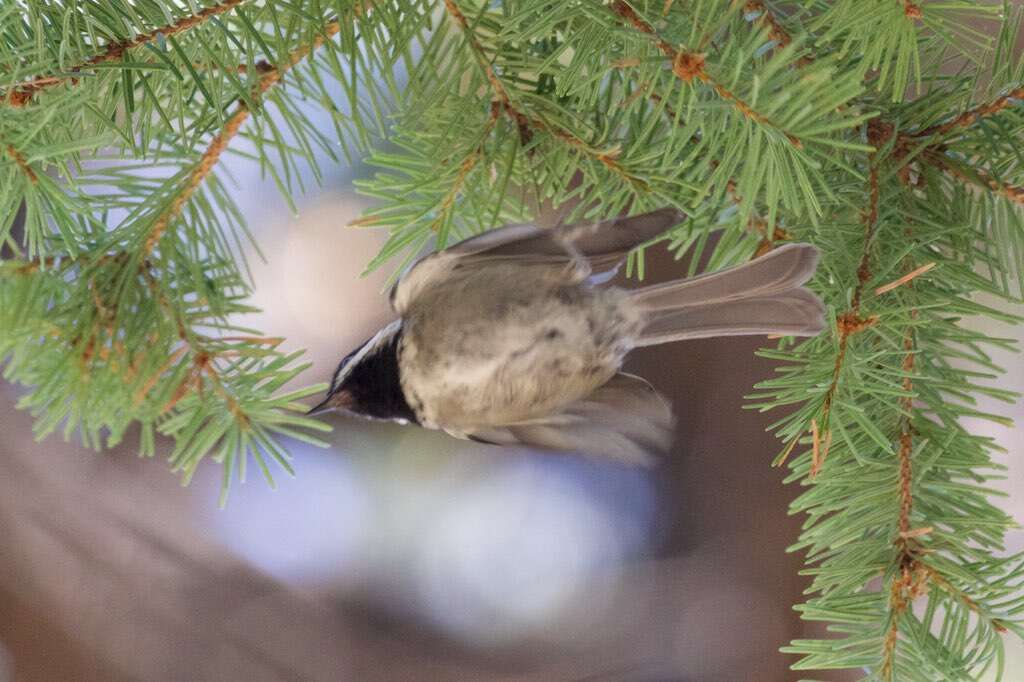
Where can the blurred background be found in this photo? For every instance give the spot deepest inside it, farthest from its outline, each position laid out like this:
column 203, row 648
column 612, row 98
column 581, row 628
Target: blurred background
column 399, row 554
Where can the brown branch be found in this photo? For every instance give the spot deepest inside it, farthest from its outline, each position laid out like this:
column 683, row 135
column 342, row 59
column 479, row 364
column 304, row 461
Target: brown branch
column 819, row 449
column 977, row 177
column 689, row 66
column 644, row 88
column 198, row 174
column 525, row 122
column 971, row 116
column 209, row 159
column 1014, row 193
column 758, row 225
column 907, row 436
column 201, row 362
column 203, row 359
column 906, row 440
column 943, row 584
column 467, row 165
column 32, row 266
column 775, row 29
column 889, row 647
column 851, row 322
column 912, row 10
column 914, row 576
column 911, row 583
column 151, row 383
column 22, row 94
column 22, row 163
column 910, row 276
column 255, row 340
column 204, row 364
column 520, row 119
column 478, row 51
column 271, row 75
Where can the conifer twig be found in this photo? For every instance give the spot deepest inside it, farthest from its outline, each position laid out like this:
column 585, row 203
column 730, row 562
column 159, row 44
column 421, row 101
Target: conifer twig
column 973, row 115
column 910, row 276
column 912, row 10
column 776, row 31
column 467, row 165
column 851, row 322
column 20, row 95
column 22, row 163
column 907, row 434
column 203, row 358
column 912, row 580
column 208, row 160
column 978, row 178
column 910, row 583
column 689, row 66
column 524, row 121
column 938, row 580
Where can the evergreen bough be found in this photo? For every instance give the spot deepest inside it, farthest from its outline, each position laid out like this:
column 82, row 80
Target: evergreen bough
column 886, row 132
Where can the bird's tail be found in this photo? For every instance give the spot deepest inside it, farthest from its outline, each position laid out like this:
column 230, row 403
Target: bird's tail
column 764, row 296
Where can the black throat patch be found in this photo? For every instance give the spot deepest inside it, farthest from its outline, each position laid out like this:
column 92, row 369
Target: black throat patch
column 375, row 384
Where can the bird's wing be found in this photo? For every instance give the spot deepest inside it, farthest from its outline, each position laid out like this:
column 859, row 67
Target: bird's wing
column 624, row 420
column 603, row 243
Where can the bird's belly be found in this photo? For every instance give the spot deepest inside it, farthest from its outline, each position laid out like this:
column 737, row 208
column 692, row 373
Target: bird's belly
column 528, row 354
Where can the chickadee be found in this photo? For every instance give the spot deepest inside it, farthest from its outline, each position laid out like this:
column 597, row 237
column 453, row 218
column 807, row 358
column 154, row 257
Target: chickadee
column 509, row 338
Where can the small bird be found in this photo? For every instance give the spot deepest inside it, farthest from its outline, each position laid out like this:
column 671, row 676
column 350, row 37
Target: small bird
column 510, row 337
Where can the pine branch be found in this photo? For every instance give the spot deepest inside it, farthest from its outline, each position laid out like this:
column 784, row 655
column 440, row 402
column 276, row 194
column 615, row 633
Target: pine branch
column 270, row 75
column 525, row 121
column 972, row 115
column 912, row 577
column 851, row 322
column 19, row 159
column 976, row 177
column 21, row 95
column 465, row 168
column 909, row 277
column 715, row 107
column 202, row 357
column 912, row 10
column 689, row 66
column 906, row 440
column 776, row 30
column 972, row 605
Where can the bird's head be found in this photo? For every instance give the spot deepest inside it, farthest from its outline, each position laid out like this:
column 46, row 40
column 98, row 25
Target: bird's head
column 366, row 382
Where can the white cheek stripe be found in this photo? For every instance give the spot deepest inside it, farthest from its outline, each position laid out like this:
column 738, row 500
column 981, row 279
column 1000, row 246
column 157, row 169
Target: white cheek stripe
column 381, row 337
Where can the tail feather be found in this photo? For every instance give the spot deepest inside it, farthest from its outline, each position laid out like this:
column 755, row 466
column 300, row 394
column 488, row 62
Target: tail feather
column 763, row 296
column 785, row 268
column 793, row 313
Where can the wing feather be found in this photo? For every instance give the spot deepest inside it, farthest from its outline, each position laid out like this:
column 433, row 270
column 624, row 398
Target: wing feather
column 603, row 243
column 625, row 420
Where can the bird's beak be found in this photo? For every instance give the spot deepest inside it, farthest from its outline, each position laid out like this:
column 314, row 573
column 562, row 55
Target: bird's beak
column 321, row 408
column 339, row 400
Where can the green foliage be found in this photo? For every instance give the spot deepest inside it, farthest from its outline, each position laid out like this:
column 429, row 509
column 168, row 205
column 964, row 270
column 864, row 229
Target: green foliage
column 886, row 132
